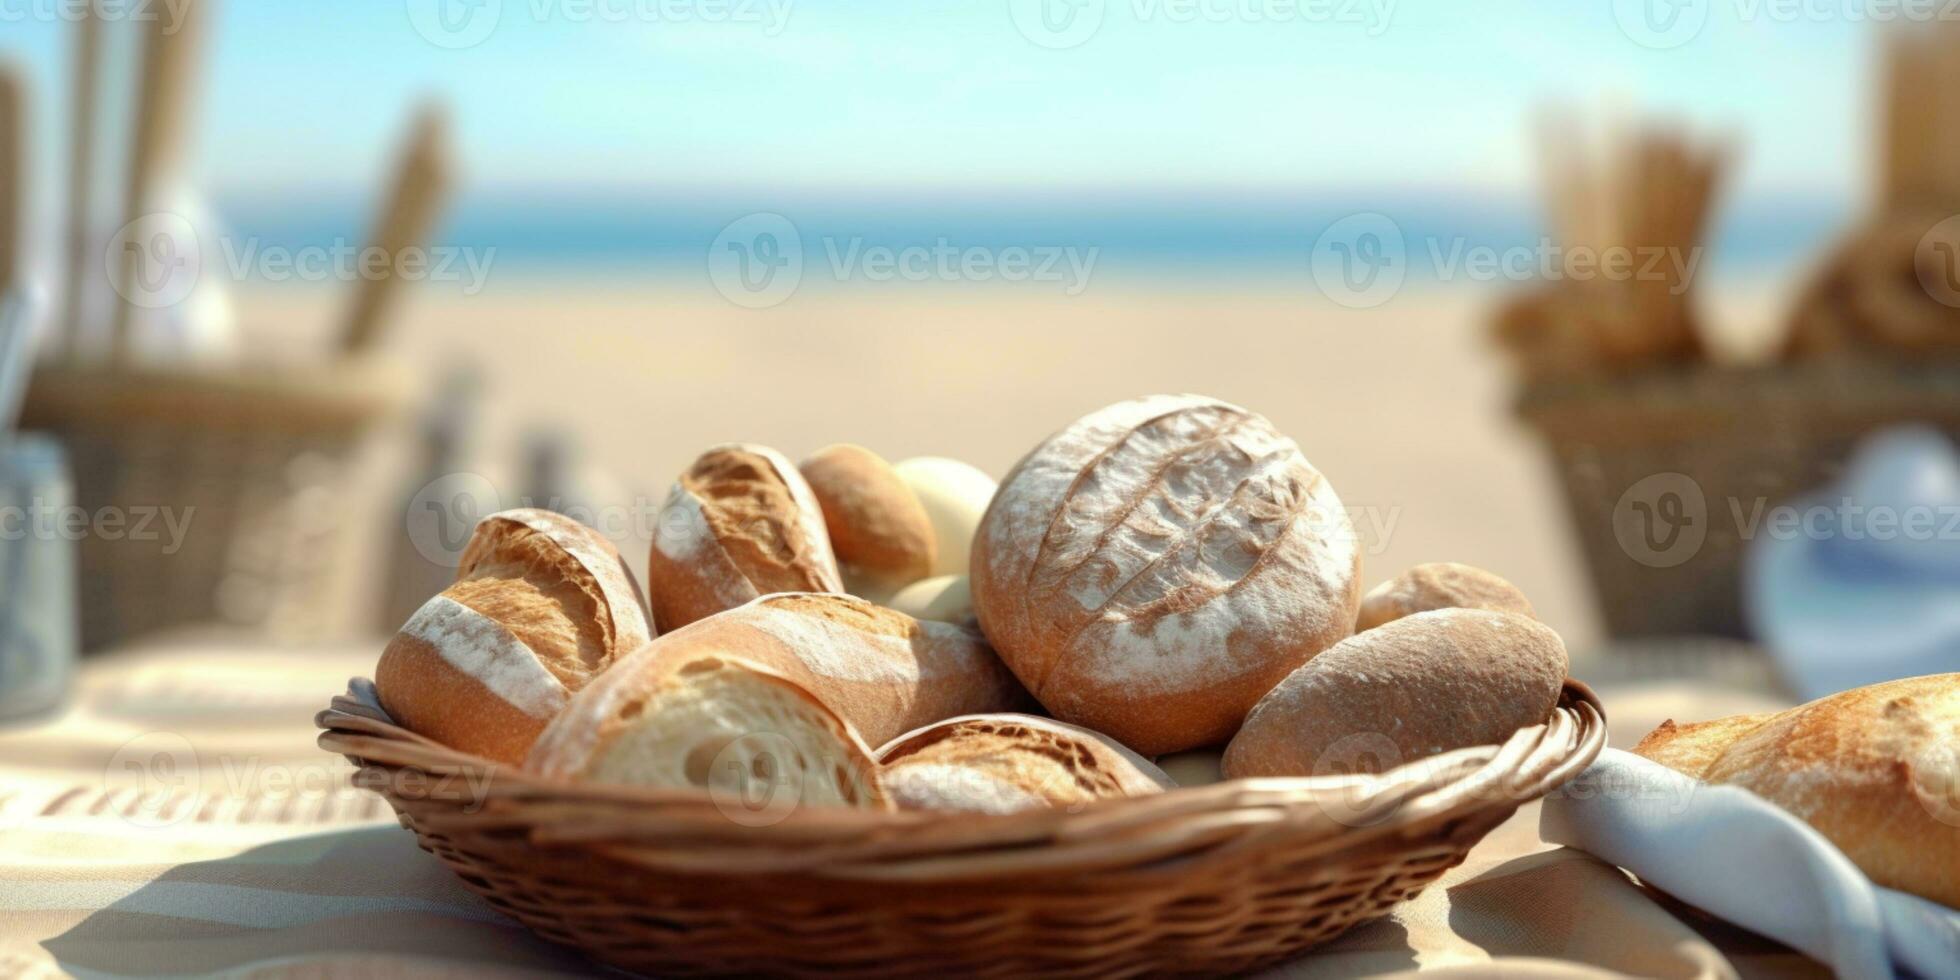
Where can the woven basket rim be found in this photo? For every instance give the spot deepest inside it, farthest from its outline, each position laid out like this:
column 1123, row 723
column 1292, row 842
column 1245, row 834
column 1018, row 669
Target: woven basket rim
column 688, row 832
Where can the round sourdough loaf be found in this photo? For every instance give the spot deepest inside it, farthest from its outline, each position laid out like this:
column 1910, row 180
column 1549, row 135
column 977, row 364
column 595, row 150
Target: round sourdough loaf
column 1153, row 569
column 1439, row 585
column 1001, row 763
column 881, row 670
column 1416, row 687
column 541, row 603
column 1876, row 770
column 883, row 538
column 740, row 523
column 758, row 742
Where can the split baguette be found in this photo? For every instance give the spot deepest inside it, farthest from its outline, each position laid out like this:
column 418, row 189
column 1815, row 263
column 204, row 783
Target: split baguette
column 540, row 605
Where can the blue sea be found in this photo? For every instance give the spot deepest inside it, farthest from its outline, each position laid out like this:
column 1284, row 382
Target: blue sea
column 1150, row 234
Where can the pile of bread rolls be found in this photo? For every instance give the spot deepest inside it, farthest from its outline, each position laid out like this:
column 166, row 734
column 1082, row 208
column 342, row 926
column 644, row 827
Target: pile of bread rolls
column 1165, row 574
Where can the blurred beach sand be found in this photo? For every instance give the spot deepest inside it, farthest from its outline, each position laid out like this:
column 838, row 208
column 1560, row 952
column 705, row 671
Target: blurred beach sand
column 1405, row 407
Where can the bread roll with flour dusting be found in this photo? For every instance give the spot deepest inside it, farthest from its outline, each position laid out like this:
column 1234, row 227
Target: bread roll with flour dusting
column 1406, row 690
column 1001, row 763
column 740, row 523
column 881, row 670
column 1155, row 568
column 759, row 743
column 1439, row 585
column 541, row 603
column 1876, row 770
column 883, row 538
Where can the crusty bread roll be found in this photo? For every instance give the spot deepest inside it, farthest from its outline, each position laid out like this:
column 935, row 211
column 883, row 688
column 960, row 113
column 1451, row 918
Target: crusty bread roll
column 541, row 603
column 945, row 598
column 955, row 495
column 740, row 523
column 1416, row 687
column 881, row 670
column 758, row 742
column 1876, row 770
column 1001, row 763
column 883, row 538
column 1153, row 569
column 1439, row 585
column 1691, row 748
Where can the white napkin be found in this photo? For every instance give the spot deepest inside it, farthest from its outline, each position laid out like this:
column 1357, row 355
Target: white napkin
column 1732, row 854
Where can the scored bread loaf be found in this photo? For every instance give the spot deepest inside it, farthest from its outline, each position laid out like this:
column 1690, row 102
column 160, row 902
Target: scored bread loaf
column 1156, row 567
column 741, row 522
column 541, row 603
column 1000, row 763
column 758, row 742
column 881, row 670
column 1406, row 690
column 883, row 538
column 1439, row 585
column 1876, row 770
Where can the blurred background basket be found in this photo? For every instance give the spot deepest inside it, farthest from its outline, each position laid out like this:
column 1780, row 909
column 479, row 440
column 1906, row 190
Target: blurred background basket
column 1212, row 880
column 1664, row 473
column 254, row 465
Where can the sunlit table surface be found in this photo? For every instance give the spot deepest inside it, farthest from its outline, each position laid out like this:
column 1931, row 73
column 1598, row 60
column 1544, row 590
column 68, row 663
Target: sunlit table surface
column 176, row 818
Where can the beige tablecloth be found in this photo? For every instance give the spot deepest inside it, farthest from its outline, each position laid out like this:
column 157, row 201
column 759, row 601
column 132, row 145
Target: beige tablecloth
column 178, row 819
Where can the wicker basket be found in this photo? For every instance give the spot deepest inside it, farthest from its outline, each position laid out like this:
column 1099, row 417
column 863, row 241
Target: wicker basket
column 1720, row 441
column 257, row 462
column 1207, row 880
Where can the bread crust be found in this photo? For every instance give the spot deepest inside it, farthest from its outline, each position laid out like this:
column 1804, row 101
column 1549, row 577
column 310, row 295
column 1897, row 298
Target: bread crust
column 878, row 528
column 881, row 670
column 1003, row 762
column 1691, row 748
column 1412, row 688
column 1156, row 567
column 608, row 708
column 1876, row 770
column 541, row 604
column 741, row 522
column 1439, row 585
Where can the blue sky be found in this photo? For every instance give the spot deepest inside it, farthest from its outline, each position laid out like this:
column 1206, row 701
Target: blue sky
column 1210, row 130
column 940, row 93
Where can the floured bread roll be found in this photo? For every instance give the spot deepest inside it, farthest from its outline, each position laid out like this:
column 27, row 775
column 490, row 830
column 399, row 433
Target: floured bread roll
column 1406, row 690
column 1439, row 585
column 752, row 738
column 1876, row 770
column 740, row 523
column 881, row 670
column 883, row 538
column 541, row 603
column 1155, row 568
column 1001, row 763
